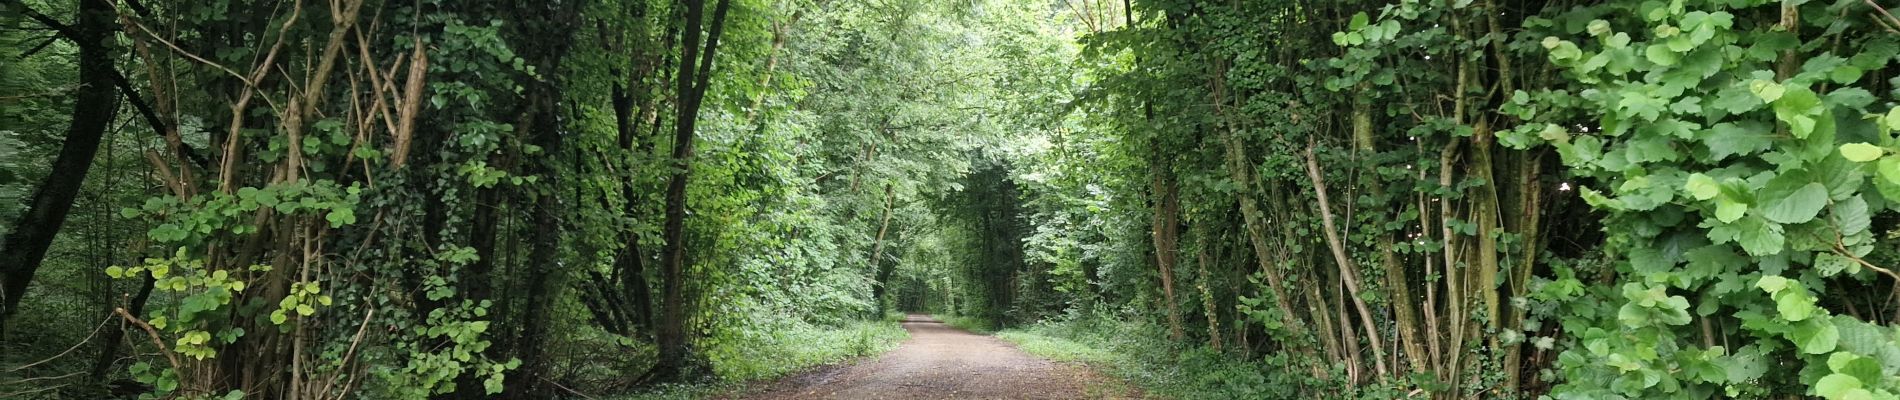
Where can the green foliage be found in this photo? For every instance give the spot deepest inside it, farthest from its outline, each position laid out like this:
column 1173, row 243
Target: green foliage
column 1782, row 176
column 774, row 351
column 1242, row 199
column 1143, row 355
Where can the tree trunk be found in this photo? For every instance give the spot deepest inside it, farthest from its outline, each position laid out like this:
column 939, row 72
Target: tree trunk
column 1207, row 288
column 1396, row 281
column 543, row 287
column 1166, row 229
column 95, row 104
column 694, row 72
column 1348, row 272
column 877, row 250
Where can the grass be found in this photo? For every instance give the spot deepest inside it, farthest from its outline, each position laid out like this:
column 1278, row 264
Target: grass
column 973, row 324
column 767, row 354
column 1142, row 355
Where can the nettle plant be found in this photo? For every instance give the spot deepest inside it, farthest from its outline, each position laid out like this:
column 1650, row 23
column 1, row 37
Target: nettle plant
column 1740, row 154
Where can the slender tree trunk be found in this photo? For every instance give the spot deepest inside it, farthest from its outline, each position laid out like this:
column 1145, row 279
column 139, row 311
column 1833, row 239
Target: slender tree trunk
column 1396, row 281
column 95, row 104
column 631, row 104
column 1257, row 236
column 877, row 249
column 1166, row 224
column 1348, row 272
column 694, row 74
column 1206, row 285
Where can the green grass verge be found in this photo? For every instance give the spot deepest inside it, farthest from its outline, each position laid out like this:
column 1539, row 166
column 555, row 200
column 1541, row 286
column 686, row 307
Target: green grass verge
column 766, row 354
column 1142, row 355
column 972, row 324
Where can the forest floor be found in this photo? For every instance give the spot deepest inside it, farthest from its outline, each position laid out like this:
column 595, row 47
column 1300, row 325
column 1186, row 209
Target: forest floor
column 942, row 362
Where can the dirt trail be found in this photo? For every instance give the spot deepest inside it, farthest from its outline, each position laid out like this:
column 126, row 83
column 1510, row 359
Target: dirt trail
column 941, row 362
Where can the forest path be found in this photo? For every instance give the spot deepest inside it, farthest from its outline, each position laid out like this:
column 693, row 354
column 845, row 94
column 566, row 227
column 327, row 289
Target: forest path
column 942, row 362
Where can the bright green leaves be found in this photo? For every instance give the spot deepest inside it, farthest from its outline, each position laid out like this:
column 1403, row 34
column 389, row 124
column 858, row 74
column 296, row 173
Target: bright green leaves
column 1889, row 169
column 1652, row 305
column 204, row 297
column 195, row 344
column 1840, row 387
column 1856, row 366
column 1561, row 50
column 1768, row 91
column 1861, row 152
column 204, row 217
column 1801, row 109
column 1360, row 30
column 1791, row 297
column 1815, row 336
column 1792, row 198
column 1773, row 284
column 1731, row 202
column 1758, row 163
column 1661, row 55
column 1891, row 121
column 303, row 299
column 1729, row 210
column 1353, row 36
column 1855, row 369
column 1702, row 187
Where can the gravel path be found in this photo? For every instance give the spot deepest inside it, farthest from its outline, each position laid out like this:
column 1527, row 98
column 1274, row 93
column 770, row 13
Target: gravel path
column 941, row 362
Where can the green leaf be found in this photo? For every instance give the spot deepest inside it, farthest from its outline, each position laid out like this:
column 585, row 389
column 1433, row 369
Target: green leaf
column 1767, row 91
column 1661, row 55
column 1728, row 210
column 1861, row 152
column 1794, row 304
column 1834, row 386
column 1760, row 237
column 340, row 217
column 1861, row 394
column 1845, row 74
column 1851, row 216
column 1863, row 368
column 1892, row 120
column 1726, row 139
column 1815, row 337
column 1890, row 168
column 1359, row 21
column 1772, row 283
column 492, row 384
column 1830, row 264
column 1800, row 107
column 1702, row 187
column 1792, row 198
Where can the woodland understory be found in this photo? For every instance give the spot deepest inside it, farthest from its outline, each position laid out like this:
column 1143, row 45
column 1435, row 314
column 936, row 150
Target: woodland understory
column 1279, row 199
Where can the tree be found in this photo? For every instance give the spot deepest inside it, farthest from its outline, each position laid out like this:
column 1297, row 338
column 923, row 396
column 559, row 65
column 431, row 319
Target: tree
column 95, row 105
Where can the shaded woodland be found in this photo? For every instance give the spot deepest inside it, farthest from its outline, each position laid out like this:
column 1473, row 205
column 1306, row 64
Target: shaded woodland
column 317, row 199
